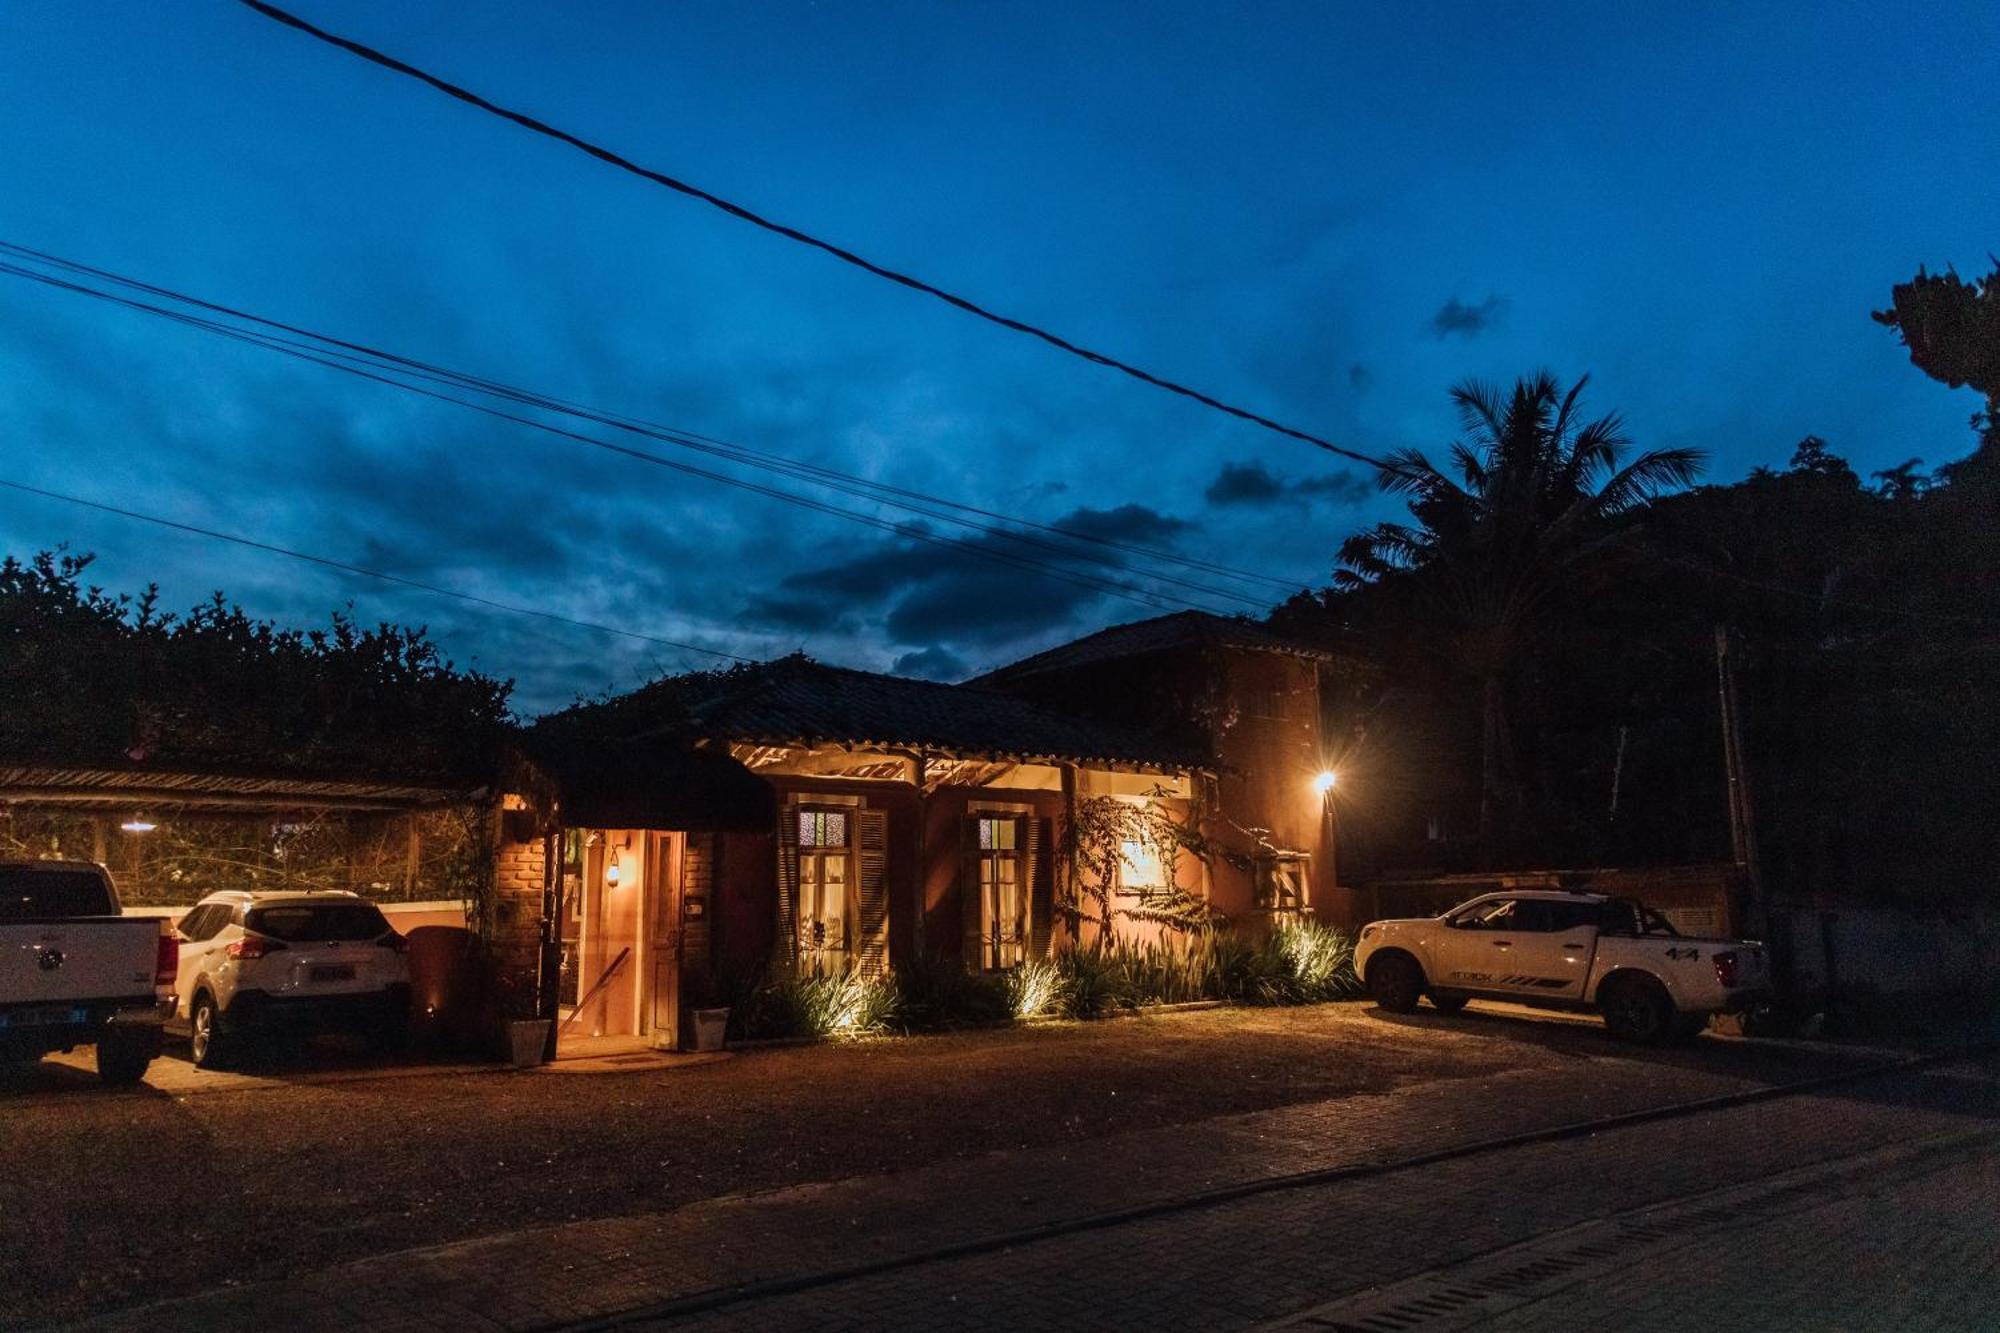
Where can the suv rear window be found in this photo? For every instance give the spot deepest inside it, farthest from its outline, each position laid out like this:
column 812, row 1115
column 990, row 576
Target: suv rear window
column 28, row 892
column 297, row 922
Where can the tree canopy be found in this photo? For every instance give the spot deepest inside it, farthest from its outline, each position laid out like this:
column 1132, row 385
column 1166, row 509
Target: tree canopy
column 96, row 678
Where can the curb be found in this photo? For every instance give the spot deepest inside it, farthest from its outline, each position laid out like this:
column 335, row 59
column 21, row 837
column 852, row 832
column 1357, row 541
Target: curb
column 721, row 1297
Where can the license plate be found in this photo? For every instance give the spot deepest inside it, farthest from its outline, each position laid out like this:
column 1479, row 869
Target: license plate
column 333, row 973
column 43, row 1016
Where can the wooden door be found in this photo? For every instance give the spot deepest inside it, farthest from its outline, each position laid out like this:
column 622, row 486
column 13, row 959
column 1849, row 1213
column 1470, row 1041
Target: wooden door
column 663, row 938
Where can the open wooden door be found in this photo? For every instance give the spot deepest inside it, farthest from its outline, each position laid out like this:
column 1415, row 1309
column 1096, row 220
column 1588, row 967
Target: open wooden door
column 662, row 1000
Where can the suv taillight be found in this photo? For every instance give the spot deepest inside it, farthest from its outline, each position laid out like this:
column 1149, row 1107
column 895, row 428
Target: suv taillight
column 167, row 960
column 254, row 947
column 1725, row 968
column 393, row 941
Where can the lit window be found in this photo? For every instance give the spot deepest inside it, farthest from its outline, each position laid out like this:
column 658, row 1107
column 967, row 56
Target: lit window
column 1281, row 883
column 824, row 885
column 1003, row 903
column 822, row 828
column 1140, row 869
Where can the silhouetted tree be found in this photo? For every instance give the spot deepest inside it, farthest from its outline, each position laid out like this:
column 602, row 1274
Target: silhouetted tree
column 1525, row 516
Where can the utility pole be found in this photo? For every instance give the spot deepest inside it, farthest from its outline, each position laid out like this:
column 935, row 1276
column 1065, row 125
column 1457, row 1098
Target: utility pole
column 1742, row 812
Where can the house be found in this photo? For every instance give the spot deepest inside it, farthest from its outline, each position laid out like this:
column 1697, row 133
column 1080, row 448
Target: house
column 1250, row 702
column 819, row 819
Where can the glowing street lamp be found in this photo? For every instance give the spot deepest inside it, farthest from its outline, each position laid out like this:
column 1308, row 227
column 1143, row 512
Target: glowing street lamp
column 1323, row 781
column 138, row 824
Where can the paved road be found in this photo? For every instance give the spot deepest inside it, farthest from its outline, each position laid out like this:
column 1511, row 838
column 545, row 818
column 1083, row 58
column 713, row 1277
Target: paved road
column 1872, row 1206
column 1132, row 1139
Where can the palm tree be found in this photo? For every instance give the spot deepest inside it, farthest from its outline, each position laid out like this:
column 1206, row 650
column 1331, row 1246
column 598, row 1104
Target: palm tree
column 1524, row 518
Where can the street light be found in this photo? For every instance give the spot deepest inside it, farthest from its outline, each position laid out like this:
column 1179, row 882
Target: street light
column 1323, row 781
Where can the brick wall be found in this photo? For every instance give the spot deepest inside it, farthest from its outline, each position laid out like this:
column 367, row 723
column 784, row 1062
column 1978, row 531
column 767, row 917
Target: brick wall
column 698, row 881
column 516, row 931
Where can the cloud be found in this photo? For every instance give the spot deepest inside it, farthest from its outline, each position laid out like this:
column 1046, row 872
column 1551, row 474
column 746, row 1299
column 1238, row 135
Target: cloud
column 933, row 663
column 1128, row 522
column 1243, row 484
column 1467, row 321
column 1255, row 484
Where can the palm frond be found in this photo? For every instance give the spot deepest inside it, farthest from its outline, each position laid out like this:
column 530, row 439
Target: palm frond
column 1647, row 475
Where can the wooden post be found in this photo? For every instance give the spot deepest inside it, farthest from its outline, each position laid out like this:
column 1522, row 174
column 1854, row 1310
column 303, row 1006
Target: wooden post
column 412, row 854
column 1742, row 813
column 920, row 894
column 548, row 993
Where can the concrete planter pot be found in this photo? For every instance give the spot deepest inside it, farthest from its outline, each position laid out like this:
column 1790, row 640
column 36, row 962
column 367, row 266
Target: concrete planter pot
column 711, row 1028
column 527, row 1039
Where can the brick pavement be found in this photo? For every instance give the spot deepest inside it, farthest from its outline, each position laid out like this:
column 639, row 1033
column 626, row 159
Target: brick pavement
column 1274, row 1255
column 552, row 1275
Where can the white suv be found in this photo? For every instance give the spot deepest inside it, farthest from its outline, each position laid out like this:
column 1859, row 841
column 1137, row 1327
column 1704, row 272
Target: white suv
column 271, row 963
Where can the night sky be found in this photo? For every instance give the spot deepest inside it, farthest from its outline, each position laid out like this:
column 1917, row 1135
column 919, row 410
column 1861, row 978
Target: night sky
column 1328, row 213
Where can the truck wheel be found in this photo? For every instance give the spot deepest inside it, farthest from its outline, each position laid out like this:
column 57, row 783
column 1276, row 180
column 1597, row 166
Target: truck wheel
column 124, row 1053
column 1638, row 1010
column 1395, row 981
column 1447, row 1004
column 207, row 1047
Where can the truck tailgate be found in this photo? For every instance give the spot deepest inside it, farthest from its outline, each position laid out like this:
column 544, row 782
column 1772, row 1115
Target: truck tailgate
column 82, row 958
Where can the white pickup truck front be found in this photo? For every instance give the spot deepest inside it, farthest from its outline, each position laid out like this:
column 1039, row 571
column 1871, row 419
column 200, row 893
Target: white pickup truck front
column 1563, row 950
column 74, row 972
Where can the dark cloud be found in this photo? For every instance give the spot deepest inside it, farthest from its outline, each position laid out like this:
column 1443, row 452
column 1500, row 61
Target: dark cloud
column 980, row 589
column 1467, row 321
column 1255, row 484
column 1128, row 522
column 933, row 663
column 1243, row 484
column 805, row 615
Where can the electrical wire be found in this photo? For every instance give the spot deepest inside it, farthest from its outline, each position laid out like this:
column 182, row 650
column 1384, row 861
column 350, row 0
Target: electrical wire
column 901, row 530
column 841, row 253
column 675, row 435
column 904, row 530
column 343, row 566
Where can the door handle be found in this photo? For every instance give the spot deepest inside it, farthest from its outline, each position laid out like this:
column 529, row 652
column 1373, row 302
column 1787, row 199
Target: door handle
column 1578, row 947
column 1503, row 944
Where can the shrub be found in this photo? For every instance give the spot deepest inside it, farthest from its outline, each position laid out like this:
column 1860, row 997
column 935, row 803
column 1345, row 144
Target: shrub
column 942, row 993
column 1310, row 962
column 822, row 1006
column 1039, row 989
column 1095, row 984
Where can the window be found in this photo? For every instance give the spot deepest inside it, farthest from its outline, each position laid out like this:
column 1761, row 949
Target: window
column 1282, row 882
column 822, row 828
column 205, row 923
column 1003, row 908
column 1494, row 914
column 1574, row 915
column 318, row 921
column 27, row 892
column 824, row 880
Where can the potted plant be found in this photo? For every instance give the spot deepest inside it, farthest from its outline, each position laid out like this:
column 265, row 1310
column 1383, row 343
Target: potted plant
column 707, row 1027
column 524, row 1036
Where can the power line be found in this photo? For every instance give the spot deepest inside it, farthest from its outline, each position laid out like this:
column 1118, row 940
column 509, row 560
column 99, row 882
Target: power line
column 343, row 566
column 846, row 256
column 678, row 436
column 377, row 374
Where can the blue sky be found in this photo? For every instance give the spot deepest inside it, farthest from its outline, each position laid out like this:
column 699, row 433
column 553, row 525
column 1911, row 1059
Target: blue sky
column 1329, row 213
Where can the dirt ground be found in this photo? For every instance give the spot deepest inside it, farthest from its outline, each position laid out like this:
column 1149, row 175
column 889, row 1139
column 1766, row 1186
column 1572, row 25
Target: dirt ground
column 112, row 1198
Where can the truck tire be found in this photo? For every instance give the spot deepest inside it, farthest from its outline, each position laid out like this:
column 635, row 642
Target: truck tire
column 1638, row 1009
column 1395, row 982
column 1447, row 1004
column 124, row 1053
column 208, row 1048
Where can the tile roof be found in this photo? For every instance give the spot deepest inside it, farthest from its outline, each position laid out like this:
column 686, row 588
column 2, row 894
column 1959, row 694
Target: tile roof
column 1181, row 630
column 796, row 700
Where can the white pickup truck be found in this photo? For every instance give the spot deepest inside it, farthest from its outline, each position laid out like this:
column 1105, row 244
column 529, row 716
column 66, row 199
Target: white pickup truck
column 1563, row 950
column 73, row 972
